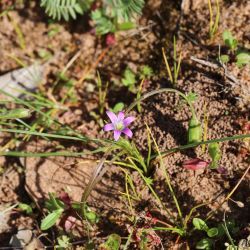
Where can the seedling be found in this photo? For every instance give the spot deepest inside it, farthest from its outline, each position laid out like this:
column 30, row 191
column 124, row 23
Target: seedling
column 238, row 55
column 213, row 233
column 129, row 79
column 118, row 107
column 63, row 210
column 146, row 72
column 63, row 242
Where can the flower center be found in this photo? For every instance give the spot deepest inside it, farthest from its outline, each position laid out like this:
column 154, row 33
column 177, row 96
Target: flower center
column 119, row 125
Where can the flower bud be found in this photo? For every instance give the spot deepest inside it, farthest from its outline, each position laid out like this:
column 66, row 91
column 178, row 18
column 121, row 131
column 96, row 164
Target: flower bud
column 15, row 113
column 194, row 130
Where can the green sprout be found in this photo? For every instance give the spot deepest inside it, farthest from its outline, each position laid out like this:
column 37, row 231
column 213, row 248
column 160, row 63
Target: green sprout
column 241, row 56
column 173, row 76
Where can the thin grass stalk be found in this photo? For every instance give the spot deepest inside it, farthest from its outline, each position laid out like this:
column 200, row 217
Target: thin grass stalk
column 175, row 59
column 210, row 17
column 167, row 178
column 167, row 66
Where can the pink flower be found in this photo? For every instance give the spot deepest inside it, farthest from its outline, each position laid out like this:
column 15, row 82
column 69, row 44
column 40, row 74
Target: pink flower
column 119, row 124
column 195, row 164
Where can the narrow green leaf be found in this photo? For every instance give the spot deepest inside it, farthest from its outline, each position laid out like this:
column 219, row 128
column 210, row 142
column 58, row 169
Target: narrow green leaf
column 15, row 114
column 51, row 219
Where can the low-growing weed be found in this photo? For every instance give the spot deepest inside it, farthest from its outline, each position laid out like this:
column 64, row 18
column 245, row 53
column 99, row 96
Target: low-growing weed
column 236, row 54
column 107, row 17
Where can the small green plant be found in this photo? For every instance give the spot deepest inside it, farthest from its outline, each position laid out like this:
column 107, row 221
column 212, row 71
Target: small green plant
column 214, row 21
column 63, row 242
column 25, row 207
column 112, row 16
column 62, row 209
column 113, row 243
column 238, row 55
column 129, row 79
column 213, row 233
column 146, row 72
column 118, row 107
column 58, row 9
column 173, row 76
column 56, row 208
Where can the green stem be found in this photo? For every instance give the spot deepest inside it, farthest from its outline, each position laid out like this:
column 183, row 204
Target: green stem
column 158, row 91
column 27, row 154
column 167, row 178
column 134, row 167
column 195, row 144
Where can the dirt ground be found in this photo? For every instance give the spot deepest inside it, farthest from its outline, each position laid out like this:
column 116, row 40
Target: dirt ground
column 226, row 101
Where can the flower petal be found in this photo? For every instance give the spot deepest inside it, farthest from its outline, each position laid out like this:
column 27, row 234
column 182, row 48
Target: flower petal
column 108, row 127
column 117, row 134
column 127, row 132
column 128, row 120
column 121, row 115
column 112, row 116
column 195, row 164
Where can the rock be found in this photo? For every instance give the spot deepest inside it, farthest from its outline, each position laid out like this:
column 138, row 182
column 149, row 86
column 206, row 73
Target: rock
column 25, row 239
column 24, row 79
column 4, row 218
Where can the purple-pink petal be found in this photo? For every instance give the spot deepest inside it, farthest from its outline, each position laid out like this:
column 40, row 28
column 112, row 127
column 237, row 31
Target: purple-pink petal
column 195, row 164
column 112, row 116
column 108, row 127
column 121, row 115
column 127, row 132
column 117, row 134
column 128, row 120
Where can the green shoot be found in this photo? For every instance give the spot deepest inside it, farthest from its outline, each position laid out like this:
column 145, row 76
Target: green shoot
column 213, row 23
column 167, row 178
column 229, row 40
column 173, row 76
column 240, row 55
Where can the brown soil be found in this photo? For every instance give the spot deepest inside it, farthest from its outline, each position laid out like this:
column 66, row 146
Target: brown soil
column 226, row 103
